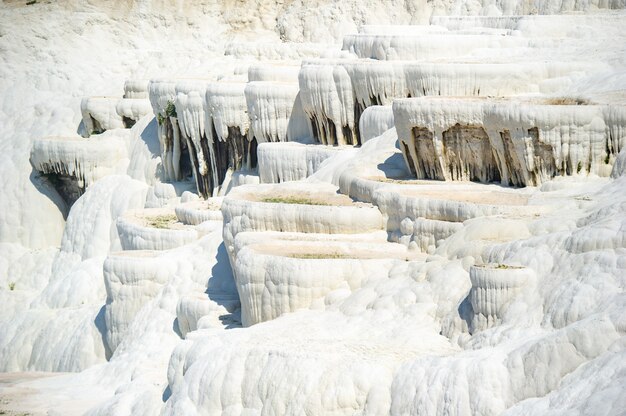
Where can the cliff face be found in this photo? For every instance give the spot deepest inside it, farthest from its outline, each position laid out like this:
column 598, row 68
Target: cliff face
column 54, row 53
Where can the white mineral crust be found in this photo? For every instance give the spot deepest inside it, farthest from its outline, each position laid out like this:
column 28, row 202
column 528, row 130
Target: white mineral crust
column 320, row 207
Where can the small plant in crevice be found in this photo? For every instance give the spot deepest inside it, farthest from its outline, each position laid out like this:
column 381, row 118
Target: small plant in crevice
column 579, row 167
column 292, row 200
column 499, row 266
column 162, row 221
column 567, row 101
column 11, row 285
column 170, row 109
column 504, row 266
column 316, row 256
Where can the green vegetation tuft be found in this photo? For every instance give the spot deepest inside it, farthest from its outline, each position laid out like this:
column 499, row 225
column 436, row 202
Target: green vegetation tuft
column 170, row 110
column 567, row 101
column 162, row 221
column 309, row 256
column 12, row 286
column 498, row 266
column 292, row 200
column 501, row 266
column 579, row 167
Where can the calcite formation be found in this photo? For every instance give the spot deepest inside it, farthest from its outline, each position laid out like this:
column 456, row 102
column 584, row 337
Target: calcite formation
column 374, row 121
column 136, row 88
column 284, row 162
column 494, row 286
column 132, row 109
column 280, row 276
column 174, row 150
column 263, row 226
column 131, row 278
column 335, row 92
column 154, row 229
column 508, row 141
column 197, row 212
column 275, row 112
column 227, row 126
column 100, row 114
column 287, row 209
column 74, row 163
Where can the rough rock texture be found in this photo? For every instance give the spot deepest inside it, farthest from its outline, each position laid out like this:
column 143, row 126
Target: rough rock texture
column 74, row 163
column 515, row 143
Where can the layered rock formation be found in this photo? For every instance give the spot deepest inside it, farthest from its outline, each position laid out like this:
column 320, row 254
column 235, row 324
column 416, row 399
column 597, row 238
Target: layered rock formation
column 294, row 228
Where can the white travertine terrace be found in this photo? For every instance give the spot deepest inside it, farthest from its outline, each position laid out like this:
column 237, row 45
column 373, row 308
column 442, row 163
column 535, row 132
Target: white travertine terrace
column 190, row 117
column 226, row 108
column 191, row 309
column 275, row 112
column 136, row 88
column 131, row 279
column 154, row 229
column 511, row 141
column 274, row 71
column 227, row 128
column 132, row 109
column 319, row 209
column 79, row 162
column 424, row 213
column 425, row 46
column 395, row 267
column 162, row 93
column 100, row 114
column 374, row 121
column 432, row 29
column 252, row 237
column 281, row 276
column 328, row 101
column 335, row 92
column 494, row 286
column 565, row 25
column 284, row 162
column 197, row 212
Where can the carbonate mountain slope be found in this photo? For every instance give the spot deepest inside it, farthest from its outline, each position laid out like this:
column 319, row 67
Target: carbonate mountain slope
column 313, row 207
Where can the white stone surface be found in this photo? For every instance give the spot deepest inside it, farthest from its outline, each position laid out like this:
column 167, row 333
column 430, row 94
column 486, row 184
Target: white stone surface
column 86, row 160
column 153, row 229
column 133, row 108
column 275, row 112
column 519, row 143
column 100, row 114
column 284, row 162
column 135, row 88
column 403, row 339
